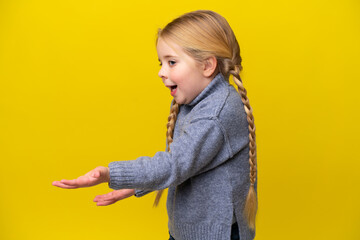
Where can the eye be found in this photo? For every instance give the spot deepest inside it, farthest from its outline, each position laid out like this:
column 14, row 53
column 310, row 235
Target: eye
column 171, row 62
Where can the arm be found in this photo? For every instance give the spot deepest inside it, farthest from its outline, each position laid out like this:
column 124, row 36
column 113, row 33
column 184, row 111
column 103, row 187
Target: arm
column 200, row 147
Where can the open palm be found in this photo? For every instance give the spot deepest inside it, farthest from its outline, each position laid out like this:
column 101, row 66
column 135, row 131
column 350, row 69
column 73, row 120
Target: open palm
column 92, row 178
column 113, row 197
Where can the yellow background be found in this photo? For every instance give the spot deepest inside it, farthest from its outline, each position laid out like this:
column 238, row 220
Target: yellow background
column 79, row 89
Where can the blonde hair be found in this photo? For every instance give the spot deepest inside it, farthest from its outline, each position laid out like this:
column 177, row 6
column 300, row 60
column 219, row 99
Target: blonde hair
column 203, row 34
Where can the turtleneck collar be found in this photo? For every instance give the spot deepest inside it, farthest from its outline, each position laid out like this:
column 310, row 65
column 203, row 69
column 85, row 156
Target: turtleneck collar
column 217, row 82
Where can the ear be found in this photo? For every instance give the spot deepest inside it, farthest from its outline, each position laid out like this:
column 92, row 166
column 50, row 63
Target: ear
column 209, row 66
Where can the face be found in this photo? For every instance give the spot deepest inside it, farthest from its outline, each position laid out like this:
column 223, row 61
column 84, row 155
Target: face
column 179, row 72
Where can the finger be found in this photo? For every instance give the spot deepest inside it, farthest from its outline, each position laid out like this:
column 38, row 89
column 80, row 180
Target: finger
column 98, row 198
column 55, row 183
column 69, row 182
column 105, row 203
column 107, row 196
column 65, row 186
column 62, row 185
column 96, row 174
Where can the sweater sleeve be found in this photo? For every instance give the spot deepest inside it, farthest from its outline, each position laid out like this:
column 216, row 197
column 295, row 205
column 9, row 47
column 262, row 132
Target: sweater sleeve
column 199, row 148
column 140, row 193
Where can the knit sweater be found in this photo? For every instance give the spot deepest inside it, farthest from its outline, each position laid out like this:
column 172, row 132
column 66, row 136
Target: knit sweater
column 206, row 170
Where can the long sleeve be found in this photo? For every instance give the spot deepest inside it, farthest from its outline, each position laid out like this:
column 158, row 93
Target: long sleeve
column 140, row 193
column 196, row 149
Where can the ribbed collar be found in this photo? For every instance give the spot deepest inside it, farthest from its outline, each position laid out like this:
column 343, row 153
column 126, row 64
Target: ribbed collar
column 215, row 84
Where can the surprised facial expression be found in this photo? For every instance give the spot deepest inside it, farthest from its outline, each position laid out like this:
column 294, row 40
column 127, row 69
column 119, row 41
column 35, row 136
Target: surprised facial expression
column 182, row 74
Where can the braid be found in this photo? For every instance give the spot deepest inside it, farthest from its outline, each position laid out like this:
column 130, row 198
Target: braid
column 251, row 200
column 171, row 123
column 169, row 138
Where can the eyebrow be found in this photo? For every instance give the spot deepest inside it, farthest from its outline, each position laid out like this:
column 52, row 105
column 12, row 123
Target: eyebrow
column 167, row 56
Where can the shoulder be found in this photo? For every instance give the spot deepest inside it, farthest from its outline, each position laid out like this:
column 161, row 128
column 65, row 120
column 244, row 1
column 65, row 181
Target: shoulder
column 229, row 115
column 233, row 108
column 233, row 119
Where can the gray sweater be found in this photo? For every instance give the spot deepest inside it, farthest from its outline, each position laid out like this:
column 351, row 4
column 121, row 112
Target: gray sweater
column 206, row 170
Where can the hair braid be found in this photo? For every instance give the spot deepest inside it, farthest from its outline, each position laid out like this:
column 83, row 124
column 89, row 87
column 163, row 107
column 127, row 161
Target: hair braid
column 169, row 138
column 251, row 200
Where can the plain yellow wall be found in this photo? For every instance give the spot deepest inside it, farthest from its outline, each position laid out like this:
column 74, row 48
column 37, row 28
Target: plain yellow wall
column 79, row 89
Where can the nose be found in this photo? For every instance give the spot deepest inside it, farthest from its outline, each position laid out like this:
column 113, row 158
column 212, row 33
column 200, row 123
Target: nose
column 161, row 73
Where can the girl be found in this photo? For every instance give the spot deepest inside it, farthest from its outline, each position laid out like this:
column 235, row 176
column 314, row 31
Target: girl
column 210, row 162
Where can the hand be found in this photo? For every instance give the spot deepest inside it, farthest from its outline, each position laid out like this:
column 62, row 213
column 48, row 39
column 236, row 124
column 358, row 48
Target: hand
column 92, row 178
column 113, row 197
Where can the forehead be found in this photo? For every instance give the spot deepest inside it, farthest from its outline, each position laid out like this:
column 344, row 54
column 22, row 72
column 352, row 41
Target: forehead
column 166, row 48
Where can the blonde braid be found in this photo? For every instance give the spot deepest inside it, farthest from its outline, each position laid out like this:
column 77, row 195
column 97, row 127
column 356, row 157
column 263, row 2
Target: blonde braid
column 169, row 137
column 251, row 200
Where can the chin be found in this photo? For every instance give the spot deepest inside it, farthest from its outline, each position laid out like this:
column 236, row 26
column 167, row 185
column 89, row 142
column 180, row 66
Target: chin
column 180, row 102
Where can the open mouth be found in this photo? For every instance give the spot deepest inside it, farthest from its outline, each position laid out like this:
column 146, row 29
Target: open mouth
column 173, row 89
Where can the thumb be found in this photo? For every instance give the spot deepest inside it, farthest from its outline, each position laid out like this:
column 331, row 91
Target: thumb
column 96, row 174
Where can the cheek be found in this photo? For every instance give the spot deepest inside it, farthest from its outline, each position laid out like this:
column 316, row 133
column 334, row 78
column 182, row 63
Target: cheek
column 177, row 76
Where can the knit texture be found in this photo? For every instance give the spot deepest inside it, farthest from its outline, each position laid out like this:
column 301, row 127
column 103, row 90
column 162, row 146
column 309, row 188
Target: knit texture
column 206, row 170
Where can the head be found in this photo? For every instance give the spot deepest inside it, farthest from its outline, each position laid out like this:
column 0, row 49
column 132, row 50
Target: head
column 204, row 35
column 203, row 44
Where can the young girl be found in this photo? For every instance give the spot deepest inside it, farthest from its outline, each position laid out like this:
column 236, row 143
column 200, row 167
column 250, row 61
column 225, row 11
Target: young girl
column 210, row 162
